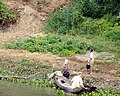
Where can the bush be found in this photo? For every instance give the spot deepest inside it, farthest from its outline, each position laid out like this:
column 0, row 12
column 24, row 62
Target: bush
column 98, row 8
column 90, row 8
column 64, row 20
column 95, row 27
column 113, row 33
column 6, row 15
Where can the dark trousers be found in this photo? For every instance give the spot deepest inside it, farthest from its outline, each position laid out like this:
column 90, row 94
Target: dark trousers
column 66, row 74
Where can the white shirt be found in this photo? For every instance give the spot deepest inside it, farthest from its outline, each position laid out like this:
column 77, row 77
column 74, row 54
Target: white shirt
column 77, row 81
column 91, row 55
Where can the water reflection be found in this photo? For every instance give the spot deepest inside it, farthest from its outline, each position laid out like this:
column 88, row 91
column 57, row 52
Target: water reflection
column 13, row 89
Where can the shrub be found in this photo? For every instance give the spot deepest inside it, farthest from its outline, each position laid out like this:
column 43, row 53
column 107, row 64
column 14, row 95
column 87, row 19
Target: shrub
column 6, row 15
column 64, row 20
column 113, row 33
column 95, row 27
column 90, row 8
column 98, row 8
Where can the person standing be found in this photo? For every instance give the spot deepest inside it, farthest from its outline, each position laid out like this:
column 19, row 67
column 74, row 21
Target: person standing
column 66, row 69
column 90, row 63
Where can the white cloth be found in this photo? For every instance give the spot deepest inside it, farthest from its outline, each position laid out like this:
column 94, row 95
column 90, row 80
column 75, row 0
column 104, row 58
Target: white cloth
column 77, row 82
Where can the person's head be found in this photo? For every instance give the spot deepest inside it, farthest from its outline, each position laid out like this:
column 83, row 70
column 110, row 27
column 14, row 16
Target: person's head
column 79, row 74
column 91, row 50
column 66, row 61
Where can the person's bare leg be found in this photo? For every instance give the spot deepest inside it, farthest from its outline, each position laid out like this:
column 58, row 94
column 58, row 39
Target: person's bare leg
column 88, row 71
column 91, row 71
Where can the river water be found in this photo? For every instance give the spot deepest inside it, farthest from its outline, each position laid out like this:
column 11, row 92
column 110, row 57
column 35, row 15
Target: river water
column 13, row 89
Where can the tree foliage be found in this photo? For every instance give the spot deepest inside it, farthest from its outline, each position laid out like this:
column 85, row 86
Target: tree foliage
column 98, row 8
column 85, row 16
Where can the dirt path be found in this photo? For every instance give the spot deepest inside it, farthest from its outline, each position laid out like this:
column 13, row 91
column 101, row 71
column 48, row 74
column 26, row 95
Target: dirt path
column 31, row 22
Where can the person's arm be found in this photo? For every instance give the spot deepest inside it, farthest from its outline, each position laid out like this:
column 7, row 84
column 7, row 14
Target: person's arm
column 72, row 79
column 89, row 60
column 66, row 68
column 81, row 83
column 82, row 86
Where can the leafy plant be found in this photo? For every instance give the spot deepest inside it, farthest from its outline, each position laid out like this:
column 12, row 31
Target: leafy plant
column 102, row 92
column 55, row 44
column 6, row 15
